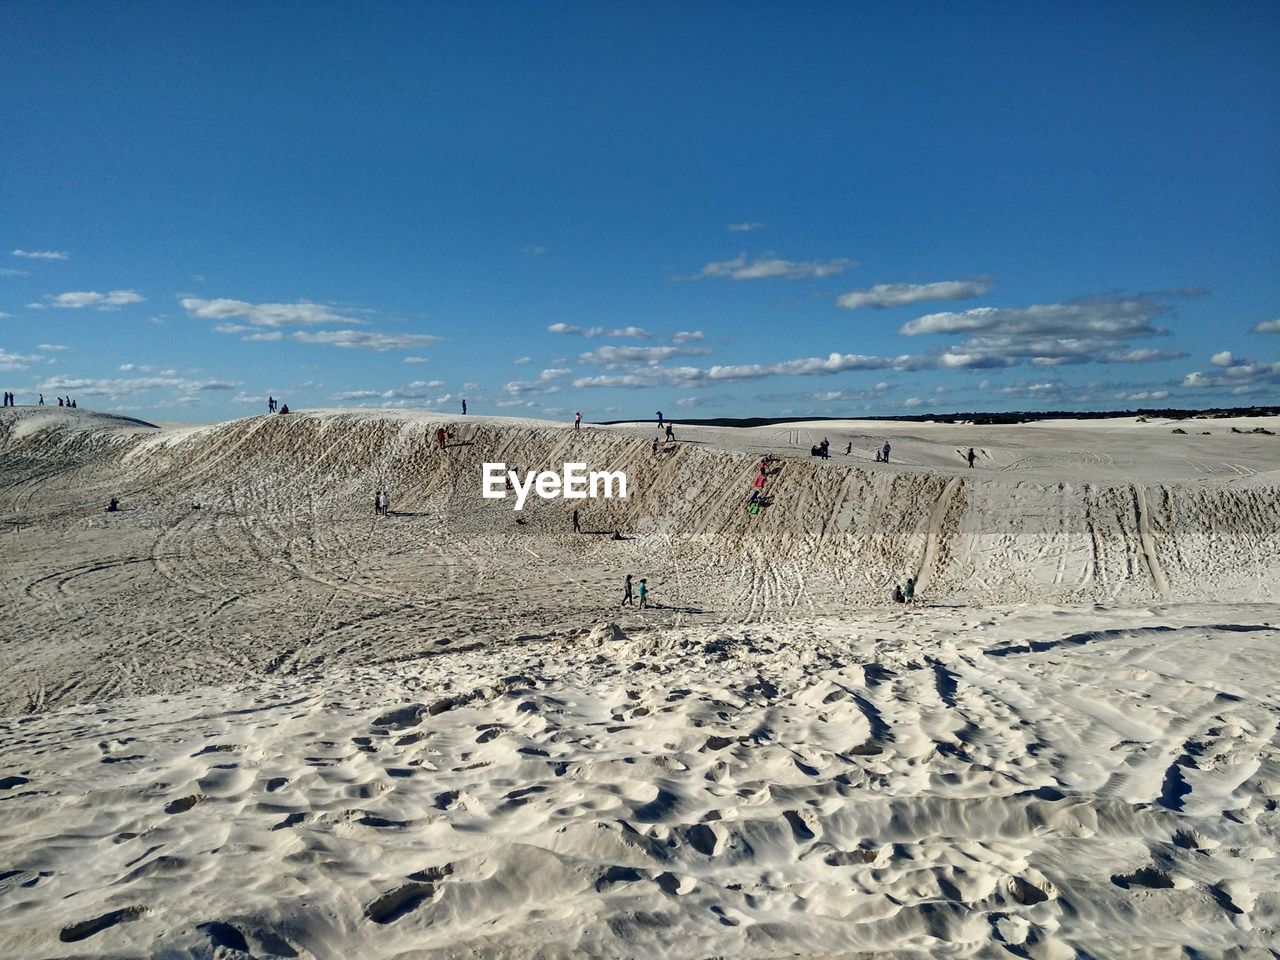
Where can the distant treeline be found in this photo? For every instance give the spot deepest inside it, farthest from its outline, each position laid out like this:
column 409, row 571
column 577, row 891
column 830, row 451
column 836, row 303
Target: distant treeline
column 1012, row 416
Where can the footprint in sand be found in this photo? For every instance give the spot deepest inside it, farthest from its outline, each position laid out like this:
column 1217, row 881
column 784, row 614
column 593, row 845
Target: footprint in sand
column 1148, row 877
column 395, row 903
column 615, row 876
column 803, row 825
column 707, row 839
column 75, row 932
column 184, row 804
column 1029, row 892
column 218, row 748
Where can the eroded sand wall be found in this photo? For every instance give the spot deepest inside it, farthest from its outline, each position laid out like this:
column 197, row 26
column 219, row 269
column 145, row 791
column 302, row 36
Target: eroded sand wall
column 982, row 537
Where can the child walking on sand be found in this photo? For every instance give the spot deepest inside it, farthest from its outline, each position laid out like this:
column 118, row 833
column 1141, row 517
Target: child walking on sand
column 644, row 593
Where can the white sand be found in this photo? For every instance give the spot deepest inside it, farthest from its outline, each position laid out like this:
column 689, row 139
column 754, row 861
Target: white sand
column 279, row 726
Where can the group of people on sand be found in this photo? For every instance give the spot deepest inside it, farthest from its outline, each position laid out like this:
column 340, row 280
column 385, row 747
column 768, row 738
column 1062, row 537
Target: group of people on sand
column 757, row 498
column 382, row 503
column 275, row 406
column 907, row 594
column 667, row 428
column 640, row 591
column 12, row 401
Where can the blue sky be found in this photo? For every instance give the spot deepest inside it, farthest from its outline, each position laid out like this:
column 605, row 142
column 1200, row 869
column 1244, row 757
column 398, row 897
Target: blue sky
column 711, row 209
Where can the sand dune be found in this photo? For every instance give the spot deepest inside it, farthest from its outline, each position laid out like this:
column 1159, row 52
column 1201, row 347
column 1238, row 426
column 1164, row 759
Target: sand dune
column 277, row 725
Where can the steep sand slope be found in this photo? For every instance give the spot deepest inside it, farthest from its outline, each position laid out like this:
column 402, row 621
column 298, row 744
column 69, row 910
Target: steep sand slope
column 284, row 565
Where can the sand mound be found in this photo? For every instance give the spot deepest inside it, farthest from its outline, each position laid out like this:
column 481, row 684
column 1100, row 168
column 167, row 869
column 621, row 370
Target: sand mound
column 252, row 546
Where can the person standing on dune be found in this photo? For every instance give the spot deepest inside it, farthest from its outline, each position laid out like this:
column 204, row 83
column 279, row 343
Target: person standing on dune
column 626, row 592
column 644, row 593
column 577, row 526
column 885, row 451
column 577, row 420
column 464, row 406
column 659, row 419
column 441, row 436
column 971, row 458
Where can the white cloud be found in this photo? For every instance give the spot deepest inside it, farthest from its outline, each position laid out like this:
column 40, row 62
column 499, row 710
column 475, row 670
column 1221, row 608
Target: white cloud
column 1078, row 331
column 1141, row 395
column 535, row 250
column 140, row 367
column 833, row 396
column 1143, row 355
column 912, row 402
column 417, row 390
column 1267, row 326
column 365, row 339
column 1045, row 390
column 50, row 346
column 302, row 313
column 520, row 361
column 624, row 356
column 648, row 377
column 688, row 336
column 884, row 295
column 415, row 359
column 814, row 366
column 42, row 254
column 16, row 361
column 655, row 376
column 636, row 333
column 79, row 299
column 1238, row 375
column 740, row 268
column 545, row 384
column 687, row 402
column 744, row 227
column 127, row 387
column 10, row 272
